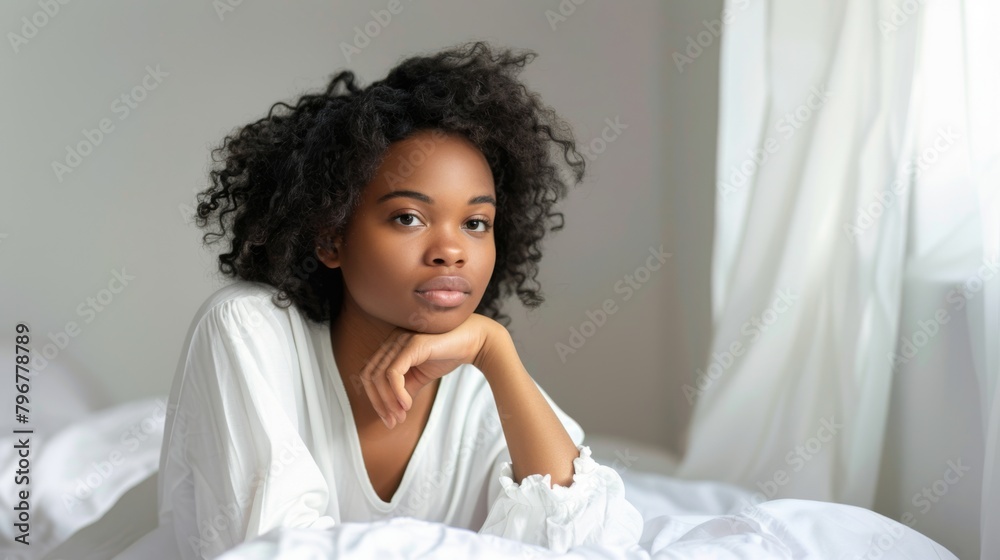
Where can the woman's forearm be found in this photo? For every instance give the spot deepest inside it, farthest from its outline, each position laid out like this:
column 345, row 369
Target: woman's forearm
column 537, row 440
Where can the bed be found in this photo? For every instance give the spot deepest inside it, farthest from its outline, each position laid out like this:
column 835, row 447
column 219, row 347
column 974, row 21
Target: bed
column 96, row 499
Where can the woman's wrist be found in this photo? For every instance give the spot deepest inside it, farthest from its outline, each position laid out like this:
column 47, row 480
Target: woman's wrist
column 496, row 353
column 537, row 440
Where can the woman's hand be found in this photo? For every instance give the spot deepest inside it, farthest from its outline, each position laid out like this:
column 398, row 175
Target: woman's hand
column 408, row 360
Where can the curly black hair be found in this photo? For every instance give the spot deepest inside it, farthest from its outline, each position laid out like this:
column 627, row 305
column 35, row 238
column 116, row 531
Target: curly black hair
column 289, row 182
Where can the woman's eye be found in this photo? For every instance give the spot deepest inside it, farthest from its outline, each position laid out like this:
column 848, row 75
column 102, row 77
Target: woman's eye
column 407, row 219
column 484, row 224
column 411, row 220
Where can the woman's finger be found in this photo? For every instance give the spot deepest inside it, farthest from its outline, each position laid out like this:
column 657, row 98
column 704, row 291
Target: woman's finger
column 381, row 381
column 411, row 356
column 396, row 370
column 367, row 372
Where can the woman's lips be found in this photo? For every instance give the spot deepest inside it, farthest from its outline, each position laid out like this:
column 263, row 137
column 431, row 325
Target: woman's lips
column 444, row 298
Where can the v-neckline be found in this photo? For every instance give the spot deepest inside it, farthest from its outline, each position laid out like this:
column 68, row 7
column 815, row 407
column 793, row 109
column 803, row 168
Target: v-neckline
column 354, row 439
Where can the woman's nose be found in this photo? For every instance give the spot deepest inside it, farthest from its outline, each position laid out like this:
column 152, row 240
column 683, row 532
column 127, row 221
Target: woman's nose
column 446, row 249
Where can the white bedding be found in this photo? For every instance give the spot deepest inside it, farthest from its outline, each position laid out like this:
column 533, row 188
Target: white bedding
column 682, row 519
column 776, row 529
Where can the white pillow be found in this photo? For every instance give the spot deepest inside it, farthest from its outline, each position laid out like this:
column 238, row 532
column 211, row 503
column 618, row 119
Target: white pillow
column 79, row 473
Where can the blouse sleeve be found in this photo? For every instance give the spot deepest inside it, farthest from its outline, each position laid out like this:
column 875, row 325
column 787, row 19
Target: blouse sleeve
column 234, row 464
column 592, row 510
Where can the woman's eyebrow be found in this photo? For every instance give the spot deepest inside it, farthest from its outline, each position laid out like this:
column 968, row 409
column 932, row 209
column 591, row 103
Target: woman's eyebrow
column 481, row 199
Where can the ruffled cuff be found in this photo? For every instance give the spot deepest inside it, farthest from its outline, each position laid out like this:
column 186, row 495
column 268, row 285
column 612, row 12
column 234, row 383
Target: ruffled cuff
column 592, row 510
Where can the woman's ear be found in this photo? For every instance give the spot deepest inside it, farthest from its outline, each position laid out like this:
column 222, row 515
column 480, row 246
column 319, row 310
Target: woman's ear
column 328, row 253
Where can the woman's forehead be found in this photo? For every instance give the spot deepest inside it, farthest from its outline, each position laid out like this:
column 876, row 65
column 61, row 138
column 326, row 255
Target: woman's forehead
column 435, row 167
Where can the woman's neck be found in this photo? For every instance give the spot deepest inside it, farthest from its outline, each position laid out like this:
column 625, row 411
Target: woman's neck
column 355, row 337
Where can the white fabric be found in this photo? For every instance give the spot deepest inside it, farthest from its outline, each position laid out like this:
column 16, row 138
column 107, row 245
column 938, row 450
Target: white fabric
column 79, row 472
column 825, row 307
column 261, row 436
column 683, row 519
column 829, row 208
column 981, row 63
column 776, row 530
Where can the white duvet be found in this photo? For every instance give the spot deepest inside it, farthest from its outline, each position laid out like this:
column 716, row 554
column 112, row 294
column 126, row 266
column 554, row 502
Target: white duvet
column 682, row 519
column 775, row 529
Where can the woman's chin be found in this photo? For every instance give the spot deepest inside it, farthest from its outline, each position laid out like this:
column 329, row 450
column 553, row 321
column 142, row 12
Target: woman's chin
column 443, row 328
column 437, row 323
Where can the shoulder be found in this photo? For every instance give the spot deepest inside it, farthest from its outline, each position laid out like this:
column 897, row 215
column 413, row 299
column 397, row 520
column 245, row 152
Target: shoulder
column 241, row 292
column 240, row 337
column 244, row 306
column 243, row 319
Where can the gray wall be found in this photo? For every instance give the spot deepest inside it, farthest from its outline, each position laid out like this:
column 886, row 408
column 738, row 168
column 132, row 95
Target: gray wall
column 120, row 208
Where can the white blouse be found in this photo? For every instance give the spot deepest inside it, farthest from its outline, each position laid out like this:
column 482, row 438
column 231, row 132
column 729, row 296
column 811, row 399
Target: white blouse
column 260, row 435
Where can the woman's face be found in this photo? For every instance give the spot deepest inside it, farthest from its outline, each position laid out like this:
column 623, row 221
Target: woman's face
column 427, row 213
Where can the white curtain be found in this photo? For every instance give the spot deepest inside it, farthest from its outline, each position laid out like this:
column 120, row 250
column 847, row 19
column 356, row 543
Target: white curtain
column 858, row 163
